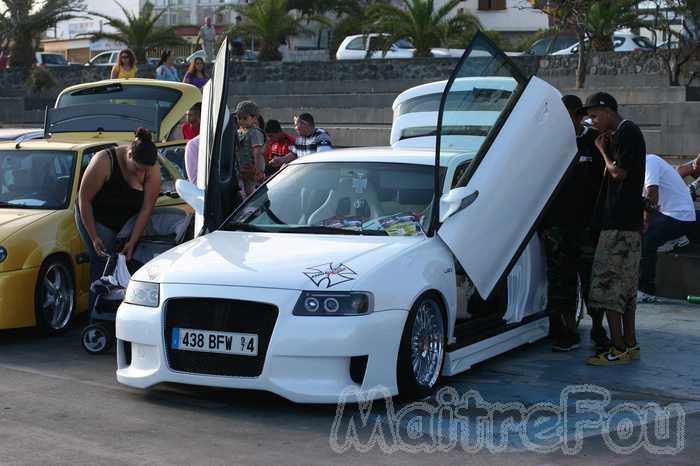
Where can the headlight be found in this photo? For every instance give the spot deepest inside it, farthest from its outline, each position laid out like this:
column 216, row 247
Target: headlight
column 316, row 303
column 3, row 254
column 143, row 294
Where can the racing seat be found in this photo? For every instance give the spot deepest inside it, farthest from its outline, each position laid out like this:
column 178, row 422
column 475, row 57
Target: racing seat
column 311, row 200
column 345, row 201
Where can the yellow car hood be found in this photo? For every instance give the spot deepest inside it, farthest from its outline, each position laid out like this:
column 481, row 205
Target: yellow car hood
column 13, row 220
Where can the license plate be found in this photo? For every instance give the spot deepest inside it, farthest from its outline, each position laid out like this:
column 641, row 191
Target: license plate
column 206, row 341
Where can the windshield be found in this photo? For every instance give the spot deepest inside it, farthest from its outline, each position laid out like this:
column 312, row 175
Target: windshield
column 137, row 95
column 387, row 199
column 36, row 179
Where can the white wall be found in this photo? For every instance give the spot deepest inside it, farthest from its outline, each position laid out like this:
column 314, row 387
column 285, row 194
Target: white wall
column 519, row 16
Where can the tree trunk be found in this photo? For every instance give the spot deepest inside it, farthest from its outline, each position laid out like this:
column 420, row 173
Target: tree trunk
column 140, row 53
column 22, row 49
column 269, row 52
column 602, row 43
column 582, row 61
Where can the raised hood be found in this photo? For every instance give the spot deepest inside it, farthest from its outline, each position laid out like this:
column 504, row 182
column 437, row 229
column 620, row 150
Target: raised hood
column 274, row 260
column 13, row 220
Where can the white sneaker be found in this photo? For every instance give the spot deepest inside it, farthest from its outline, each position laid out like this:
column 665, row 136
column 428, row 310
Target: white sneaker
column 645, row 298
column 669, row 246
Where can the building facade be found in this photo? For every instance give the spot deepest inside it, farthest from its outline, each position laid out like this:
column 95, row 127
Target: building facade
column 509, row 17
column 188, row 12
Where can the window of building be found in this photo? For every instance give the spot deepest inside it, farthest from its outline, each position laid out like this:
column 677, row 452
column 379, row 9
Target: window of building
column 490, row 5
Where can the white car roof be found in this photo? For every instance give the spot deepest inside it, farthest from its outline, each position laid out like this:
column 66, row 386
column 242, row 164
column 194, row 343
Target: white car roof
column 379, row 155
column 438, row 87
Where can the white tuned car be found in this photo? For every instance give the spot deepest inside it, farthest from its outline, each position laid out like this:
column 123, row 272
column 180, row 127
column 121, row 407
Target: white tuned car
column 356, row 48
column 622, row 42
column 361, row 267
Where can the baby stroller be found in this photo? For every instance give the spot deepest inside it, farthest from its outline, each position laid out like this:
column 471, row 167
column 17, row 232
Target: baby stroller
column 168, row 227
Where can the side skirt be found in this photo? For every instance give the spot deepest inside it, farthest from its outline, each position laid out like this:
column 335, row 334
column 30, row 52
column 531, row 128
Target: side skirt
column 462, row 359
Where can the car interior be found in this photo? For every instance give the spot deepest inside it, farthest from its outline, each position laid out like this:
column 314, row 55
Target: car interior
column 39, row 179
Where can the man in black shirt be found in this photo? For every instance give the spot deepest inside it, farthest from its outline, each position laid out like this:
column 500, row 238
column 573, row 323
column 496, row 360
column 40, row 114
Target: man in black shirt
column 567, row 237
column 619, row 216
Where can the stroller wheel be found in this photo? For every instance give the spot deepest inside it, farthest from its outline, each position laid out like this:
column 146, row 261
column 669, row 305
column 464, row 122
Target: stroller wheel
column 96, row 339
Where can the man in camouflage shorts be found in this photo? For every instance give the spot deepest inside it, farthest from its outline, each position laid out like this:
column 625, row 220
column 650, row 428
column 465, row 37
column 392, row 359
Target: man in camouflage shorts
column 619, row 215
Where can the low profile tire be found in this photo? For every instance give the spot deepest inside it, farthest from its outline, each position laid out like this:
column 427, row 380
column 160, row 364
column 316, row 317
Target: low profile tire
column 96, row 339
column 54, row 296
column 422, row 350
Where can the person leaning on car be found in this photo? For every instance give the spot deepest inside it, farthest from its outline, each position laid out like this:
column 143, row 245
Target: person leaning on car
column 119, row 183
column 619, row 215
column 568, row 239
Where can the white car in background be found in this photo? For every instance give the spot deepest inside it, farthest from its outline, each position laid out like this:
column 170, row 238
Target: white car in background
column 358, row 268
column 479, row 103
column 623, row 42
column 109, row 58
column 355, row 48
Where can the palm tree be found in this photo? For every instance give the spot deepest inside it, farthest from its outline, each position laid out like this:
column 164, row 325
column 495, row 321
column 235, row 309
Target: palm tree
column 419, row 22
column 139, row 32
column 607, row 16
column 24, row 21
column 270, row 22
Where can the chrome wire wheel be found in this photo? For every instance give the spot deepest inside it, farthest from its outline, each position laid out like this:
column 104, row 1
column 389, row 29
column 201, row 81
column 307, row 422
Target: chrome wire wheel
column 427, row 344
column 56, row 297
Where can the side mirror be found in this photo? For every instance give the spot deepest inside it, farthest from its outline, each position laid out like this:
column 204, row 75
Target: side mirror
column 191, row 194
column 456, row 200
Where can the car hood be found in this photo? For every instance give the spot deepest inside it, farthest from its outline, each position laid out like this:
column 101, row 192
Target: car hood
column 13, row 220
column 274, row 260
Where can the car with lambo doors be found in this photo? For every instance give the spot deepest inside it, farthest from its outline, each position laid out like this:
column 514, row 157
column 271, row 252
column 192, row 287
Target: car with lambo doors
column 359, row 268
column 43, row 262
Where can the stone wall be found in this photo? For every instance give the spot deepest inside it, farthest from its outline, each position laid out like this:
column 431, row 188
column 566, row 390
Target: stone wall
column 609, row 69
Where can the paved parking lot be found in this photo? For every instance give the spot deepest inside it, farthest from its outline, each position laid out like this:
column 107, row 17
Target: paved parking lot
column 59, row 405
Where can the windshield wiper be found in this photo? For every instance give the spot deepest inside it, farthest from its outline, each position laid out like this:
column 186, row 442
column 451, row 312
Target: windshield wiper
column 237, row 226
column 319, row 229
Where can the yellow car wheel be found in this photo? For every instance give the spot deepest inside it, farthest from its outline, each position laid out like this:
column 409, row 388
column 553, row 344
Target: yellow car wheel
column 55, row 296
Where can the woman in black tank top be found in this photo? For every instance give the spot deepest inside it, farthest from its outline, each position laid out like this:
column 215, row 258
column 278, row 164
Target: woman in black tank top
column 119, row 183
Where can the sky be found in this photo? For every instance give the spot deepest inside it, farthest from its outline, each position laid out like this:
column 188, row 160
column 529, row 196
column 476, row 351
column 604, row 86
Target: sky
column 107, row 7
column 110, row 8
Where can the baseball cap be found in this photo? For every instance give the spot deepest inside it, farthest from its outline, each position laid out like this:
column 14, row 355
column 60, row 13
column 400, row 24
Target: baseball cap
column 572, row 103
column 600, row 100
column 246, row 107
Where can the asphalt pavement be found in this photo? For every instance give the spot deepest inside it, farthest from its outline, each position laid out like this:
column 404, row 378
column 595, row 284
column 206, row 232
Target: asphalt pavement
column 59, row 405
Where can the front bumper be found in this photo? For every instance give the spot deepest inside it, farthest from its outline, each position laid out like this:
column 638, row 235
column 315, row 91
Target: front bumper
column 17, row 290
column 308, row 359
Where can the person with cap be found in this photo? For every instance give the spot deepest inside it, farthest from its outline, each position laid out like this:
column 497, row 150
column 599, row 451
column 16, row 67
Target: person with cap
column 619, row 214
column 568, row 240
column 311, row 139
column 251, row 139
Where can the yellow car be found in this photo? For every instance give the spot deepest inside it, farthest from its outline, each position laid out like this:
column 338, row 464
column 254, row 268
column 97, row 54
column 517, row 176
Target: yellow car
column 44, row 266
